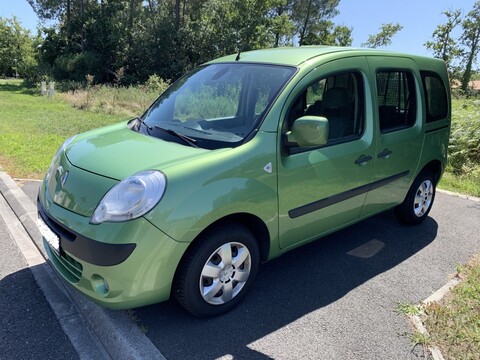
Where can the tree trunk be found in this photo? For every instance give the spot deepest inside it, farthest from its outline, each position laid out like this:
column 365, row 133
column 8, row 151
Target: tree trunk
column 153, row 12
column 177, row 14
column 69, row 14
column 82, row 20
column 305, row 24
column 131, row 16
column 280, row 12
column 467, row 74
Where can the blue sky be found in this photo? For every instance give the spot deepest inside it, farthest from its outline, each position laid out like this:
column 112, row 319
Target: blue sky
column 419, row 18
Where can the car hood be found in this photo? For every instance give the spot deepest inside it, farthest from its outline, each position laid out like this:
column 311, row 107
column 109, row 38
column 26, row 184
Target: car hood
column 118, row 152
column 95, row 161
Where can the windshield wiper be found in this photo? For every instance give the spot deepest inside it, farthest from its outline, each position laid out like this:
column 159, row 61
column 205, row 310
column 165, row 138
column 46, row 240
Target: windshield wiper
column 190, row 141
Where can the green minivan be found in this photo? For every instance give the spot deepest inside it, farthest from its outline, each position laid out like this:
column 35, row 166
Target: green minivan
column 240, row 160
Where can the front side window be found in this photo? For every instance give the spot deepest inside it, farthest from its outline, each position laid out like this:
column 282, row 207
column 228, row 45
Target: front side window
column 396, row 99
column 340, row 99
column 217, row 105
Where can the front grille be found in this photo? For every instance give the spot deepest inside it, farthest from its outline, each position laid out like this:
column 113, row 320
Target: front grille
column 83, row 248
column 70, row 268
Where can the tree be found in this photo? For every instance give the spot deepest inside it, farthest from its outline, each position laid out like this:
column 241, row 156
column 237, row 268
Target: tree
column 17, row 49
column 327, row 33
column 444, row 45
column 169, row 37
column 50, row 9
column 308, row 14
column 470, row 39
column 384, row 36
column 281, row 24
column 64, row 11
column 227, row 26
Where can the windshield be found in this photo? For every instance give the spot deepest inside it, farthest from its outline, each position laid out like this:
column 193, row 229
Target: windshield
column 217, row 105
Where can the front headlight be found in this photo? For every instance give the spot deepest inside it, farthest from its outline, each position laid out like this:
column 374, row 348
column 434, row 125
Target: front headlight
column 131, row 198
column 59, row 152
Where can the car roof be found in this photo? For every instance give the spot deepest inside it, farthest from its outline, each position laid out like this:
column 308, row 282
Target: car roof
column 295, row 56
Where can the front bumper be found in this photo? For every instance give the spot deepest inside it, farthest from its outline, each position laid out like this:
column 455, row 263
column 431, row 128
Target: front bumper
column 118, row 265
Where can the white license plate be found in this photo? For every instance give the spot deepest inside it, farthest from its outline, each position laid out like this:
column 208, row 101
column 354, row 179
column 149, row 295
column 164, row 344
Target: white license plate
column 52, row 238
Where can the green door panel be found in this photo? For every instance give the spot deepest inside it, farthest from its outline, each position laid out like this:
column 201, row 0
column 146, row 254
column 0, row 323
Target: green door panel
column 398, row 152
column 306, row 183
column 322, row 189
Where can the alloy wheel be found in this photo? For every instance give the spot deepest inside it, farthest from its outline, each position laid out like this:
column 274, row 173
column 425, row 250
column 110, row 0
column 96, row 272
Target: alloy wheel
column 225, row 273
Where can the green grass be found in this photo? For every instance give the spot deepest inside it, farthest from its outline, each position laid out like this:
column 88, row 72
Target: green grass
column 407, row 309
column 454, row 323
column 32, row 127
column 463, row 184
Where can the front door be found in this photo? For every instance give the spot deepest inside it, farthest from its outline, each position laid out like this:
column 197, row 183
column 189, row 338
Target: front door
column 323, row 188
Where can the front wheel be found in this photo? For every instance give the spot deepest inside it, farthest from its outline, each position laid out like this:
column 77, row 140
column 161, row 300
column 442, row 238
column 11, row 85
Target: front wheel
column 419, row 200
column 217, row 271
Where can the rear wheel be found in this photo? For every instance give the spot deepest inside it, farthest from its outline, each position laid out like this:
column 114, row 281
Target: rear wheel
column 217, row 271
column 419, row 200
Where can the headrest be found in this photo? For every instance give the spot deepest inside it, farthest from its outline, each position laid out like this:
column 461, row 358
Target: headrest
column 335, row 98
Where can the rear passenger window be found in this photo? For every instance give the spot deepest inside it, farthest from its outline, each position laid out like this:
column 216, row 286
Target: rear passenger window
column 339, row 98
column 435, row 95
column 397, row 103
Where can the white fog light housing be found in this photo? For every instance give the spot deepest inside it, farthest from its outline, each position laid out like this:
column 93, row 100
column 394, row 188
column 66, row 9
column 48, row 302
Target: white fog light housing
column 57, row 155
column 131, row 198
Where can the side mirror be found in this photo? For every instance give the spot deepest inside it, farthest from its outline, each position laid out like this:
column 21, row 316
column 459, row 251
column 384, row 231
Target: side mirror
column 309, row 131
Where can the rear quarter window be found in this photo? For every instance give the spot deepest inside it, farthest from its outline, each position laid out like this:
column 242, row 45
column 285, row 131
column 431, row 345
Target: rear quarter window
column 436, row 101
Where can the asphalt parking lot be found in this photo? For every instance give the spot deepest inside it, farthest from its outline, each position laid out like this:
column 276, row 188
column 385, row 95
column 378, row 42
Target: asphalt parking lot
column 332, row 299
column 28, row 326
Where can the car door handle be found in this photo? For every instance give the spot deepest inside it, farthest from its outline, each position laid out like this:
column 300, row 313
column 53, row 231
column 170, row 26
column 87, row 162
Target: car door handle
column 362, row 160
column 385, row 154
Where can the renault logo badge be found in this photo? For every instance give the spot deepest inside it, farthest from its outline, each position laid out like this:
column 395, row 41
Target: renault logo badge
column 61, row 175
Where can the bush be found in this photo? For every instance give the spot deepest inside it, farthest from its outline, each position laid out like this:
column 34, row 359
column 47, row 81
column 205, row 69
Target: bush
column 34, row 80
column 156, row 84
column 69, row 85
column 75, row 66
column 464, row 147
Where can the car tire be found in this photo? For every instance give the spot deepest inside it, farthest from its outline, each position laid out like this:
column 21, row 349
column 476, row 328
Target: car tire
column 419, row 200
column 217, row 271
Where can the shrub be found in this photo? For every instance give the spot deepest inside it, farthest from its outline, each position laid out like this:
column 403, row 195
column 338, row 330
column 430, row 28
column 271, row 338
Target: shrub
column 156, row 84
column 69, row 85
column 75, row 66
column 464, row 147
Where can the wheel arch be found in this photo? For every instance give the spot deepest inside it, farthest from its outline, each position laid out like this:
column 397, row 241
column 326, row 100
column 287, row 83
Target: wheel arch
column 251, row 222
column 434, row 167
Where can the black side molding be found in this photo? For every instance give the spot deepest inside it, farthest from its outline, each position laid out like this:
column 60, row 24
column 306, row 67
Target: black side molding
column 437, row 129
column 334, row 199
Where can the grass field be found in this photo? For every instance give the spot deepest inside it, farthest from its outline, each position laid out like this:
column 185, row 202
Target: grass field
column 454, row 323
column 32, row 127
